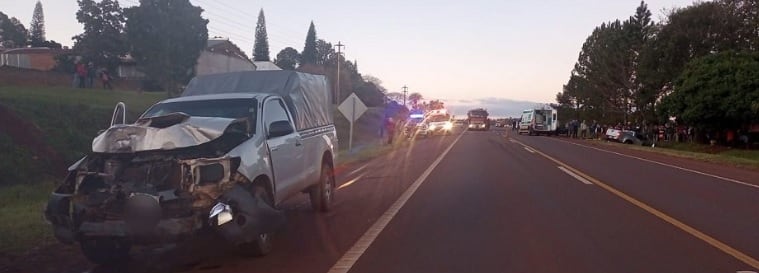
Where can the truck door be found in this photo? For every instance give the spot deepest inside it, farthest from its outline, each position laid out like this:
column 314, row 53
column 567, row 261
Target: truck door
column 285, row 148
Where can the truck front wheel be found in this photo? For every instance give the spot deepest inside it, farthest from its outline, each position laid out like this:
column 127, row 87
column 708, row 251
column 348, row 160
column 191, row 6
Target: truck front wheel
column 262, row 245
column 322, row 195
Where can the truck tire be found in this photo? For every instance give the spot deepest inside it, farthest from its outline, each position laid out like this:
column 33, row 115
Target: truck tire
column 263, row 244
column 322, row 195
column 105, row 250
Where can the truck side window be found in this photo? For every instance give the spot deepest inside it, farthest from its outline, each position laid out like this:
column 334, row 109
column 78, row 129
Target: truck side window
column 274, row 110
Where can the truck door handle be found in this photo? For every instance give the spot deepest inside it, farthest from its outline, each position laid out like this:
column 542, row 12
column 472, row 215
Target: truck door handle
column 274, row 148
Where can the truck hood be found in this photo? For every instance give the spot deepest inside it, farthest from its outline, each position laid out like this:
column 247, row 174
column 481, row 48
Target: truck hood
column 168, row 132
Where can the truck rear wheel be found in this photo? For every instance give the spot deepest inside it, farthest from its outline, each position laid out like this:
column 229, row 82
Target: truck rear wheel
column 322, row 195
column 105, row 250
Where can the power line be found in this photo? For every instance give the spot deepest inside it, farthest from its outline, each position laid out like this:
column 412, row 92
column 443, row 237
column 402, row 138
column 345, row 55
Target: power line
column 278, row 37
column 250, row 15
column 233, row 28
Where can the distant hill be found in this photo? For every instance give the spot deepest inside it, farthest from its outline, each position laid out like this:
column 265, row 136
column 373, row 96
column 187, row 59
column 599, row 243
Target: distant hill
column 497, row 107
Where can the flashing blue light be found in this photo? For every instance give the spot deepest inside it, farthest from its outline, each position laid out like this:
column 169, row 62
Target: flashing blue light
column 416, row 116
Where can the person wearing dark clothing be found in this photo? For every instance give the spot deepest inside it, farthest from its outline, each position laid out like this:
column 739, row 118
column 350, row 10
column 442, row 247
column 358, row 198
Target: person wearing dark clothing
column 81, row 72
column 91, row 73
column 390, row 129
column 106, row 79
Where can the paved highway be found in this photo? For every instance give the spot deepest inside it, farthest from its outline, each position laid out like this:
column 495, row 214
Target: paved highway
column 495, row 202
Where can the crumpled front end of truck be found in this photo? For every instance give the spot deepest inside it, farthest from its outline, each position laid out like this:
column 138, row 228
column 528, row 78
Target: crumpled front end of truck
column 127, row 192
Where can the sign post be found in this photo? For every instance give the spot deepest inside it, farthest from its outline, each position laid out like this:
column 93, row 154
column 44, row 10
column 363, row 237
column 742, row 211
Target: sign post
column 352, row 108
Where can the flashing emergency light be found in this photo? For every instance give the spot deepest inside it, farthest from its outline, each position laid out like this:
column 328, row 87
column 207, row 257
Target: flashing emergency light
column 416, row 116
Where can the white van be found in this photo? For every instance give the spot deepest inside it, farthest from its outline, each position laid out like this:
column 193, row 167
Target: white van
column 538, row 121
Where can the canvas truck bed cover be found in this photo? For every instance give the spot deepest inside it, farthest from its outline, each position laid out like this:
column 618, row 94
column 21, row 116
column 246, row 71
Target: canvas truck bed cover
column 307, row 95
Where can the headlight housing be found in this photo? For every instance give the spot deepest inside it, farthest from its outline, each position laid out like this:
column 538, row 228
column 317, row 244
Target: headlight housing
column 448, row 126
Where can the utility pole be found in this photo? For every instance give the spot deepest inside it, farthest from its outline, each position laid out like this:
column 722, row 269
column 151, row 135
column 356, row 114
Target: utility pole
column 405, row 90
column 339, row 46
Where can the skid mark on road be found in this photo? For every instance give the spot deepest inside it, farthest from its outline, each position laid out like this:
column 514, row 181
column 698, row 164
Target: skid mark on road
column 350, row 257
column 661, row 215
column 666, row 165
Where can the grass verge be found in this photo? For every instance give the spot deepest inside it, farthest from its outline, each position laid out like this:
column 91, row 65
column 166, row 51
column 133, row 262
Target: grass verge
column 721, row 155
column 23, row 225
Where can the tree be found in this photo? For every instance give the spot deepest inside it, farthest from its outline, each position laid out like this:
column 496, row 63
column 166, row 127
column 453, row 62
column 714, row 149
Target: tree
column 167, row 37
column 325, row 53
column 415, row 97
column 37, row 27
column 103, row 40
column 688, row 33
column 12, row 33
column 718, row 91
column 309, row 54
column 374, row 80
column 370, row 94
column 600, row 84
column 639, row 30
column 747, row 14
column 287, row 58
column 261, row 46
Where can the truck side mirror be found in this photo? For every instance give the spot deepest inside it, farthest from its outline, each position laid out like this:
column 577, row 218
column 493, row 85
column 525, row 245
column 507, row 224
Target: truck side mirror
column 280, row 128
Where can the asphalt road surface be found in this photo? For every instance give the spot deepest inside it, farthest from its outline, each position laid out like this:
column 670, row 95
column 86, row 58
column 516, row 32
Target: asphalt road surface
column 495, row 202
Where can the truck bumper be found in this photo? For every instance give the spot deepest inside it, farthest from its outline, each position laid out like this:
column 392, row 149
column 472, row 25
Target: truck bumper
column 476, row 126
column 248, row 218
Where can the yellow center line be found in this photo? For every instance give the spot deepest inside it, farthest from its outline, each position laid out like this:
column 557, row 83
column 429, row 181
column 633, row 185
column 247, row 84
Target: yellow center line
column 669, row 219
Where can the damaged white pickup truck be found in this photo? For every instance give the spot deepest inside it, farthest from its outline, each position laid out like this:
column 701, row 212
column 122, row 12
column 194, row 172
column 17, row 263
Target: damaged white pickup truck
column 221, row 157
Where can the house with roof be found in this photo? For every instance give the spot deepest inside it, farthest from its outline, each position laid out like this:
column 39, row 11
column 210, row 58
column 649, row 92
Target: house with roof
column 37, row 58
column 219, row 56
column 266, row 66
column 222, row 56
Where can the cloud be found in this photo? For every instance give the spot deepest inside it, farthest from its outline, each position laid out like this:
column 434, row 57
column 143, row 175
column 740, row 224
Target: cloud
column 497, row 107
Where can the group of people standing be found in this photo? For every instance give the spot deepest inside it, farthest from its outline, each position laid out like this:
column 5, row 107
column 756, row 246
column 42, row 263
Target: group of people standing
column 84, row 76
column 583, row 129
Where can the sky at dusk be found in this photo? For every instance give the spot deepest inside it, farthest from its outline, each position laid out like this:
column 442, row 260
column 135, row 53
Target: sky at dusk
column 464, row 52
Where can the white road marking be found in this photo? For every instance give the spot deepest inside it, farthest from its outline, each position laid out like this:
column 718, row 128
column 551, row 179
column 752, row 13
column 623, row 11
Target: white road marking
column 358, row 170
column 745, row 271
column 351, row 181
column 512, row 141
column 350, row 257
column 529, row 150
column 571, row 173
column 670, row 165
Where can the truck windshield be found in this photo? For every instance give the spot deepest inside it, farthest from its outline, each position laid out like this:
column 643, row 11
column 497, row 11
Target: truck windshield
column 478, row 114
column 221, row 108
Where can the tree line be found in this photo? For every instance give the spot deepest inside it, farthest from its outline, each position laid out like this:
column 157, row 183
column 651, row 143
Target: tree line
column 166, row 37
column 698, row 67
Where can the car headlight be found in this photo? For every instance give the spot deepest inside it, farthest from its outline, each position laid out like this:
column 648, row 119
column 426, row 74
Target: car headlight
column 432, row 127
column 448, row 126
